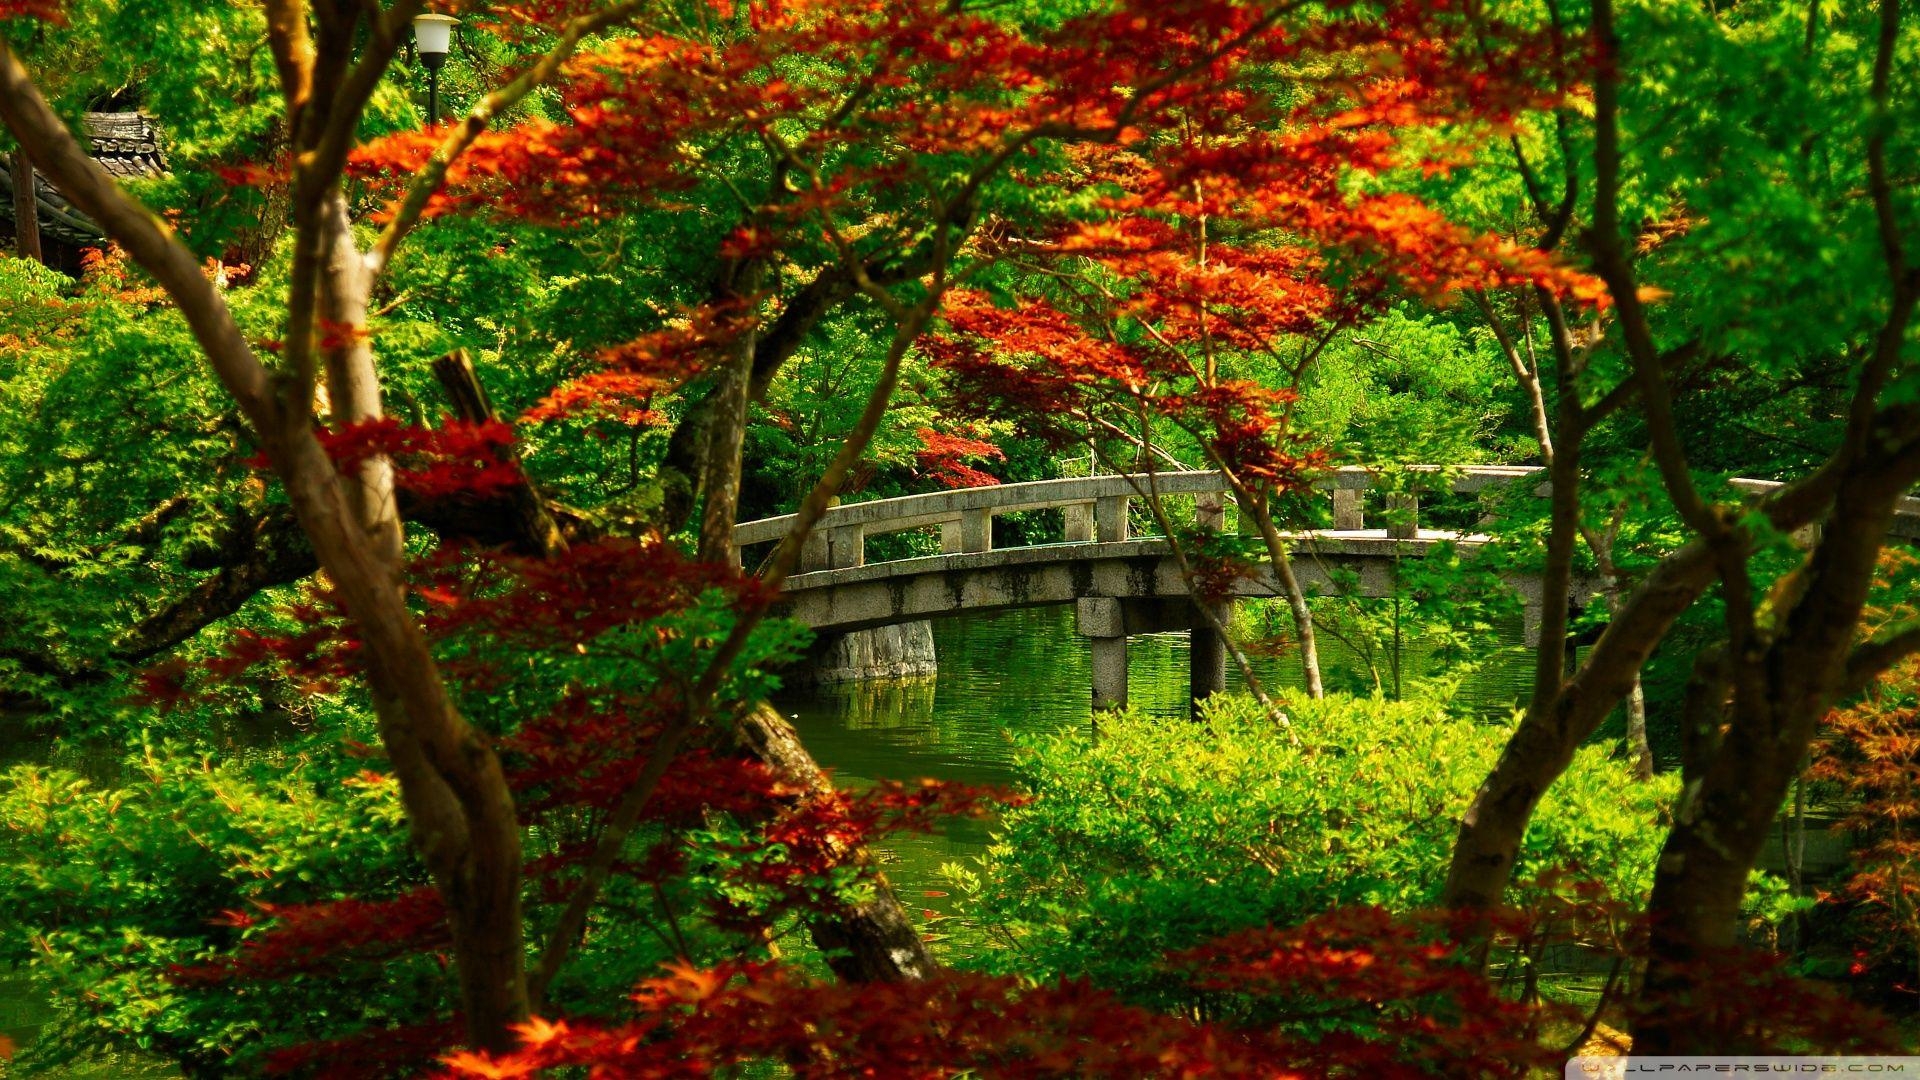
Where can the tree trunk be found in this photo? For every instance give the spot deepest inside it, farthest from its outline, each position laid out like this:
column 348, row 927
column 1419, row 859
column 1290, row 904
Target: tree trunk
column 1697, row 891
column 1256, row 506
column 460, row 811
column 353, row 382
column 1638, row 748
column 26, row 209
column 1731, row 802
column 1639, row 752
column 1488, row 844
column 1543, row 745
column 873, row 941
column 1296, row 603
column 725, row 439
column 460, row 808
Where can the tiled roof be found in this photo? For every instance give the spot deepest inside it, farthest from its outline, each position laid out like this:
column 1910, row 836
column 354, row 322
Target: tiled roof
column 126, row 144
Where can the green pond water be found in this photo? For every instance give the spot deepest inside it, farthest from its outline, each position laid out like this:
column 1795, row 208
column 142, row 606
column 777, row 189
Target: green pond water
column 1026, row 672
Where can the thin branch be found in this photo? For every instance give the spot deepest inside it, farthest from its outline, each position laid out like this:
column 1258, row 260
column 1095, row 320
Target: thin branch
column 1672, row 362
column 1868, row 661
column 328, row 157
column 1892, row 244
column 1528, row 376
column 1610, row 261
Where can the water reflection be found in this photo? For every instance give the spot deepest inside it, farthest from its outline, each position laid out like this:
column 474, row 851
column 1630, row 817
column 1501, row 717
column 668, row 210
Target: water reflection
column 1026, row 672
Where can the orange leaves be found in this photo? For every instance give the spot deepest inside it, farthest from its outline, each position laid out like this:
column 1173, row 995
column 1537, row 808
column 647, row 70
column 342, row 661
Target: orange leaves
column 648, row 365
column 1437, row 259
column 110, row 271
column 683, row 984
column 943, row 459
column 619, row 396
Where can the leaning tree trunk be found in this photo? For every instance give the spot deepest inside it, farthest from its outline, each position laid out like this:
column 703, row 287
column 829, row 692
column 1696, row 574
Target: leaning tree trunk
column 459, row 806
column 1544, row 743
column 871, row 941
column 1296, row 596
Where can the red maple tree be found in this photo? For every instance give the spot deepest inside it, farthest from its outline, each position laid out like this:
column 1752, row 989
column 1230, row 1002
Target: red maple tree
column 1211, row 159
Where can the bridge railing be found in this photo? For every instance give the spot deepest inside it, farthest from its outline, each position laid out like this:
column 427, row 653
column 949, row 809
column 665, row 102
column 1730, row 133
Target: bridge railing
column 1097, row 508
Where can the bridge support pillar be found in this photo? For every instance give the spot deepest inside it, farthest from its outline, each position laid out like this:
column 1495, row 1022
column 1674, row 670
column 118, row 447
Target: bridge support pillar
column 1207, row 653
column 1109, row 673
column 1103, row 621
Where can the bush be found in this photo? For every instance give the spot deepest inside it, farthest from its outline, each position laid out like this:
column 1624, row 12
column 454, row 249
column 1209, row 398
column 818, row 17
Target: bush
column 112, row 890
column 1155, row 836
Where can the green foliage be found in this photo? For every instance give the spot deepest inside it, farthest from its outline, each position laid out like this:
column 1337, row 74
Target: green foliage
column 1152, row 836
column 109, row 887
column 120, row 468
column 1414, row 386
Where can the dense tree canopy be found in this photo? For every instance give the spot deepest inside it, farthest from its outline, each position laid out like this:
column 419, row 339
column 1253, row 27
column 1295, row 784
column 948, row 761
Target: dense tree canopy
column 375, row 482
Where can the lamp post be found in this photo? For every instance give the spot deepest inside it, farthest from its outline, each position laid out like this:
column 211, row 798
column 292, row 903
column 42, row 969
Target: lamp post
column 433, row 36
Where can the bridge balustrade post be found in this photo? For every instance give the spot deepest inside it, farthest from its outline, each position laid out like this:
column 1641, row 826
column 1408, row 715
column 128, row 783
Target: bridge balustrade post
column 976, row 530
column 1111, row 514
column 1109, row 674
column 814, row 554
column 1209, row 511
column 950, row 542
column 846, row 546
column 1079, row 522
column 1403, row 521
column 1348, row 515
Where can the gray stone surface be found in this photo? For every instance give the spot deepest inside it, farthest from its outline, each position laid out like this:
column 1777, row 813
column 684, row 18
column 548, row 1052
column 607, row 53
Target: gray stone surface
column 974, row 582
column 898, row 651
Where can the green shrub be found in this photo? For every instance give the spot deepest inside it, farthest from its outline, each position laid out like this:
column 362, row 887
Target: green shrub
column 108, row 889
column 1156, row 835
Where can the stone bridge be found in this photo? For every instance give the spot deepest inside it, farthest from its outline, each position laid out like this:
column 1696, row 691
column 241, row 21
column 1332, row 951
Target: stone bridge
column 1120, row 584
